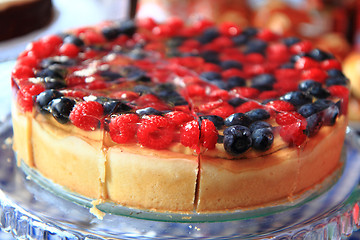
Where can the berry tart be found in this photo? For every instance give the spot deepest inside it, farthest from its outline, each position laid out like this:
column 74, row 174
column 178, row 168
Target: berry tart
column 19, row 17
column 179, row 118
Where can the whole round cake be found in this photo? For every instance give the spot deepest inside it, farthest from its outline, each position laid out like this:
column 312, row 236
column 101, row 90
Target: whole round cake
column 179, row 118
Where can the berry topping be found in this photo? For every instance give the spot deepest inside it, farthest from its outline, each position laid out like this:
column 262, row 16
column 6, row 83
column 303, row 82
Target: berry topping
column 237, row 119
column 262, row 139
column 294, row 133
column 257, row 115
column 177, row 118
column 190, row 134
column 237, row 139
column 155, row 132
column 122, row 128
column 148, row 111
column 259, row 124
column 216, row 120
column 208, row 134
column 44, row 98
column 87, row 115
column 297, row 98
column 60, row 108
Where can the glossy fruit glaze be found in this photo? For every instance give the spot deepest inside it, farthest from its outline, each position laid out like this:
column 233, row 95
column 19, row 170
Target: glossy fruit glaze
column 199, row 85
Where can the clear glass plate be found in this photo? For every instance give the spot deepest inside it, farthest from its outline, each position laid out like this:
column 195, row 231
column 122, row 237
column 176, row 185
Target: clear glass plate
column 31, row 212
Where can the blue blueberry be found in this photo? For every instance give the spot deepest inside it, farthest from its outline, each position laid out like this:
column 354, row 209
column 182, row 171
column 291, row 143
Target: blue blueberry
column 175, row 42
column 319, row 55
column 74, row 40
column 231, row 64
column 208, row 35
column 210, row 56
column 52, row 72
column 288, row 65
column 236, row 101
column 135, row 74
column 307, row 110
column 308, row 84
column 288, row 41
column 61, row 108
column 330, row 115
column 336, row 81
column 255, row 46
column 262, row 139
column 142, row 89
column 137, row 54
column 58, row 61
column 110, row 33
column 296, row 57
column 335, row 73
column 148, row 111
column 240, row 39
column 263, row 81
column 250, row 31
column 210, row 76
column 237, row 119
column 322, row 104
column 319, row 92
column 221, row 84
column 257, row 115
column 127, row 27
column 44, row 98
column 237, row 139
column 235, row 81
column 297, row 98
column 111, row 106
column 54, row 83
column 217, row 120
column 314, row 123
column 258, row 125
column 110, row 75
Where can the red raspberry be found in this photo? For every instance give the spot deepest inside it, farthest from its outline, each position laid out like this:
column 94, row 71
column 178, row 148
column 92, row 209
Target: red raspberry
column 232, row 72
column 147, row 23
column 286, row 118
column 229, row 29
column 87, row 115
column 304, row 63
column 293, row 133
column 195, row 90
column 315, row 74
column 330, row 64
column 21, row 71
column 283, row 75
column 208, row 134
column 155, row 132
column 208, row 106
column 223, row 42
column 126, row 95
column 75, row 94
column 255, row 69
column 69, row 49
column 280, row 106
column 285, row 86
column 247, row 106
column 217, row 94
column 72, row 80
column 246, row 92
column 175, row 22
column 277, row 52
column 254, row 58
column 341, row 92
column 25, row 96
column 223, row 111
column 268, row 94
column 301, row 47
column 163, row 31
column 92, row 37
column 29, row 61
column 176, row 118
column 122, row 128
column 203, row 24
column 39, row 49
column 267, row 35
column 206, row 67
column 190, row 134
column 53, row 40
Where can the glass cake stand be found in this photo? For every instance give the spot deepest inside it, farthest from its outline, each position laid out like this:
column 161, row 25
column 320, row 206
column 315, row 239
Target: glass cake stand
column 30, row 211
